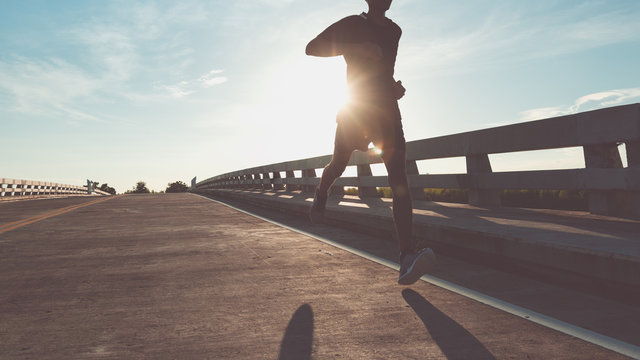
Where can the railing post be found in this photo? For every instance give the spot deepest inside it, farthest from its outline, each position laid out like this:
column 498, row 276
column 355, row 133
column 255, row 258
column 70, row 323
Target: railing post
column 266, row 185
column 309, row 173
column 602, row 156
column 276, row 175
column 633, row 161
column 246, row 179
column 412, row 169
column 480, row 164
column 366, row 191
column 256, row 182
column 291, row 175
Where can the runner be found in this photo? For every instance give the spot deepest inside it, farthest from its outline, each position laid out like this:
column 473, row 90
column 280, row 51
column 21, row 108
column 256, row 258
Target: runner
column 369, row 44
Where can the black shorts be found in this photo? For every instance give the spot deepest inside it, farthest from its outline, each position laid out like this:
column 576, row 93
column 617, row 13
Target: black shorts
column 359, row 125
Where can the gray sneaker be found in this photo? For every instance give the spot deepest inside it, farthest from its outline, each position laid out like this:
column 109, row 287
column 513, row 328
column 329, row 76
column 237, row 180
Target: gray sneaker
column 316, row 213
column 413, row 266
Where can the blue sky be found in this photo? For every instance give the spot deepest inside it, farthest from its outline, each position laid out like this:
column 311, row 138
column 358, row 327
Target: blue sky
column 160, row 91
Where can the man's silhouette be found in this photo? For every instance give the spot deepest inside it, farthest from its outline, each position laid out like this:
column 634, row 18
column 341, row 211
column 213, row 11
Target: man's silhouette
column 369, row 44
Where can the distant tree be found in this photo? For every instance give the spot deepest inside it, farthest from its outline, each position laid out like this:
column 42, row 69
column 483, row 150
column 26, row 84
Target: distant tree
column 141, row 188
column 176, row 187
column 106, row 188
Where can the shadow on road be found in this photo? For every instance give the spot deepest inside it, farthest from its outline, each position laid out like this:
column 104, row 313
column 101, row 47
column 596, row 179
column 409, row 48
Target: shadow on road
column 298, row 338
column 454, row 341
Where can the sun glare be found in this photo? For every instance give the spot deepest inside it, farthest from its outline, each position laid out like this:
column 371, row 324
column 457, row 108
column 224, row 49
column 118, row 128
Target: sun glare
column 302, row 96
column 313, row 84
column 328, row 86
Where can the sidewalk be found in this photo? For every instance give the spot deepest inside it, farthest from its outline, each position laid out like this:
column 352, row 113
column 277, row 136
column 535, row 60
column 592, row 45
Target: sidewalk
column 577, row 246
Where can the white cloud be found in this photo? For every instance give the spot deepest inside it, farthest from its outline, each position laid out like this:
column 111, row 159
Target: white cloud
column 585, row 103
column 543, row 113
column 211, row 79
column 188, row 87
column 606, row 98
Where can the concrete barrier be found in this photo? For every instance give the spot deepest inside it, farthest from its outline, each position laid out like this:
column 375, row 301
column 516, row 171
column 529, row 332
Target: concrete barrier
column 612, row 189
column 19, row 187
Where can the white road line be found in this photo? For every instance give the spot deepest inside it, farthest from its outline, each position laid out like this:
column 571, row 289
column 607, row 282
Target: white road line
column 604, row 341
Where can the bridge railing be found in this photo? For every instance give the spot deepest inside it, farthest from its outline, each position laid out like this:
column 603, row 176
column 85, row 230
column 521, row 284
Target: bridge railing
column 611, row 188
column 20, row 187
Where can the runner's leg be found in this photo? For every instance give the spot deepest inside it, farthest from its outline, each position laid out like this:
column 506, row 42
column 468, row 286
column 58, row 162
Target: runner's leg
column 333, row 171
column 347, row 137
column 412, row 264
column 395, row 162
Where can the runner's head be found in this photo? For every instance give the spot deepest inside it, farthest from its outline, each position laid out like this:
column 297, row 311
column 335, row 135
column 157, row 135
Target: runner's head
column 382, row 5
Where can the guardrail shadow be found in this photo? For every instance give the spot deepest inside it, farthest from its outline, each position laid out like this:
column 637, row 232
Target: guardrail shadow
column 297, row 342
column 454, row 341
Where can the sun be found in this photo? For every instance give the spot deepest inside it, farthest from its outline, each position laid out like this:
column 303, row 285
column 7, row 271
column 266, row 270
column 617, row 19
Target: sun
column 312, row 84
column 327, row 84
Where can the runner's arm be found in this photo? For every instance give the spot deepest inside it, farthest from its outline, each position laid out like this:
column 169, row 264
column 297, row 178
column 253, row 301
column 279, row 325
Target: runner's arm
column 325, row 48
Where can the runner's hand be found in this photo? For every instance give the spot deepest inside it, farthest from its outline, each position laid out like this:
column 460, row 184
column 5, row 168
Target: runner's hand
column 399, row 90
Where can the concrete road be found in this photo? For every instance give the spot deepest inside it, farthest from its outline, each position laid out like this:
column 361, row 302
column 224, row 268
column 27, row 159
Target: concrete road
column 182, row 277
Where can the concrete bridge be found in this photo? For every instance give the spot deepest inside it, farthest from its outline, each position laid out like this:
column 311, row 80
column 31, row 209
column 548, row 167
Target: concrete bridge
column 599, row 247
column 237, row 272
column 180, row 276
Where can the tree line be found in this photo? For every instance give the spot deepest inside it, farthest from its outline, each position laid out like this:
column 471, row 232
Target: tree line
column 174, row 187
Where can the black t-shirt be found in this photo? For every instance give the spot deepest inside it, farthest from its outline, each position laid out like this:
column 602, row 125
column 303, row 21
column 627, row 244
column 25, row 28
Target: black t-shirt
column 368, row 79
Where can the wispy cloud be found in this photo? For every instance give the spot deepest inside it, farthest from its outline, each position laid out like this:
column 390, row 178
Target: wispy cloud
column 585, row 103
column 188, row 87
column 276, row 2
column 47, row 87
column 109, row 57
column 507, row 34
column 112, row 48
column 607, row 98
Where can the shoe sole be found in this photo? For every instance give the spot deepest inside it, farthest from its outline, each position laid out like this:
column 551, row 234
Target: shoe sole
column 423, row 264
